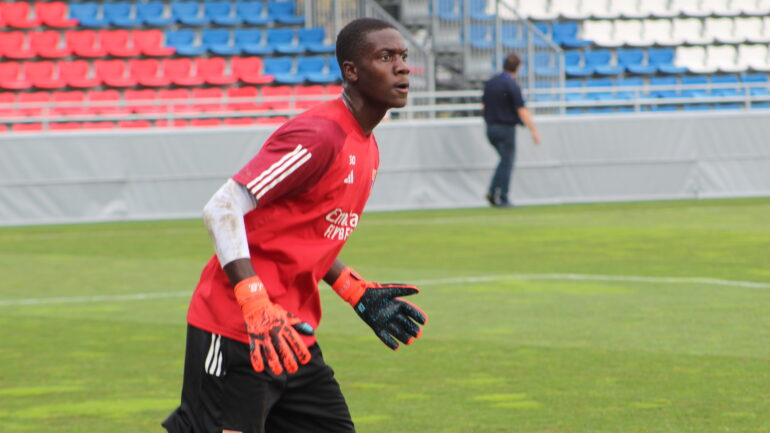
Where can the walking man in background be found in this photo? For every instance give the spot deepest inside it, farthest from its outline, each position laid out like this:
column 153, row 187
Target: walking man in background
column 252, row 363
column 504, row 109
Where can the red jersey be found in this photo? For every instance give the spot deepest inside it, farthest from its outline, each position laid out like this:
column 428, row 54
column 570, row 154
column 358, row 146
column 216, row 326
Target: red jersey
column 311, row 179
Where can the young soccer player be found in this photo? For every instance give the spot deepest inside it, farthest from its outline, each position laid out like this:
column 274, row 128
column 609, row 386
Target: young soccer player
column 252, row 363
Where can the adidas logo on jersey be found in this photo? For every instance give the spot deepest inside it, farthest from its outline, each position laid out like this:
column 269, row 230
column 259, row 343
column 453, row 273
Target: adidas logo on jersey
column 349, row 179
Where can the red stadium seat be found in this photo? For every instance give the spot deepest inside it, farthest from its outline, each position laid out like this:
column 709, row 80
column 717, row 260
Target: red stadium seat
column 54, row 14
column 117, row 43
column 42, row 75
column 277, row 98
column 98, row 125
column 48, row 44
column 10, row 76
column 143, row 101
column 249, row 70
column 73, row 103
column 244, row 99
column 134, row 124
column 176, row 123
column 84, row 43
column 213, row 71
column 64, row 126
column 215, row 94
column 308, row 96
column 3, row 127
column 205, row 122
column 19, row 15
column 147, row 72
column 114, row 73
column 27, row 127
column 177, row 100
column 32, row 102
column 150, row 43
column 239, row 121
column 104, row 102
column 76, row 73
column 14, row 45
column 7, row 101
column 180, row 71
column 275, row 120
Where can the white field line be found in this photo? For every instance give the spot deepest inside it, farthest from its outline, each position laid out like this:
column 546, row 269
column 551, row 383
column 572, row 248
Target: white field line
column 459, row 280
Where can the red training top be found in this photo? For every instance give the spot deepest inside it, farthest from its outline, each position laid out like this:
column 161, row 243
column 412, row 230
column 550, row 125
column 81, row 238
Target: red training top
column 311, row 179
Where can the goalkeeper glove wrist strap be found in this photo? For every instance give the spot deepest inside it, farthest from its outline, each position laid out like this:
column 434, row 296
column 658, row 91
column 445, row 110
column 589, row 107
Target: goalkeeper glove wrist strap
column 251, row 294
column 350, row 286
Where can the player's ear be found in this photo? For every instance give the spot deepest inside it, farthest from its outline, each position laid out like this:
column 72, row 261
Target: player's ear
column 350, row 71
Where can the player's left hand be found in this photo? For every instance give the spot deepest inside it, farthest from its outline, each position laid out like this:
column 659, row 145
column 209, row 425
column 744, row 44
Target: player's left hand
column 380, row 306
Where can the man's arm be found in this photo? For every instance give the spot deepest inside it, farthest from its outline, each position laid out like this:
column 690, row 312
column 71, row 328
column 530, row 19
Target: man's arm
column 526, row 118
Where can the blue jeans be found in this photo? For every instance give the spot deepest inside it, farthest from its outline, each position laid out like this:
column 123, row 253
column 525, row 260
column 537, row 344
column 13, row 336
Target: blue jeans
column 503, row 139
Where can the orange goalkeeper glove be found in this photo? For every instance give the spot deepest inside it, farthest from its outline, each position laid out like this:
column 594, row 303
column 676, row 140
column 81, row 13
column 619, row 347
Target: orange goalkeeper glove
column 380, row 307
column 273, row 335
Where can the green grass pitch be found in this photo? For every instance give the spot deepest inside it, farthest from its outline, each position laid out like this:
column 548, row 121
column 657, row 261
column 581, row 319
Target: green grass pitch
column 622, row 318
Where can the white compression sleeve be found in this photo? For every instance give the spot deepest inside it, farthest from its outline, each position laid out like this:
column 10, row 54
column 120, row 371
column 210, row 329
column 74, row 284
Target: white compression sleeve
column 223, row 216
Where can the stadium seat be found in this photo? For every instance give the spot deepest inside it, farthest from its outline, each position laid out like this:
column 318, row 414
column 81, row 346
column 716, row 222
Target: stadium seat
column 282, row 69
column 514, row 37
column 752, row 7
column 76, row 73
column 660, row 32
column 19, row 15
column 175, row 100
column 690, row 30
column 273, row 120
column 118, row 43
column 207, row 99
column 65, row 126
column 214, row 71
column 147, row 72
column 574, row 65
column 601, row 33
column 726, row 85
column 478, row 11
column 121, row 14
column 150, row 43
column 181, row 73
column 546, row 64
column 250, row 41
column 252, row 12
column 54, row 14
column 70, row 103
column 566, row 34
column 88, row 14
column 153, row 13
column 206, row 122
column 277, row 97
column 284, row 12
column 537, row 10
column 250, row 70
column 189, row 13
column 752, row 30
column 695, row 86
column 482, row 37
column 605, row 84
column 105, row 102
column 722, row 30
column 576, row 95
column 10, row 77
column 84, row 43
column 633, row 61
column 757, row 84
column 34, row 104
column 222, row 13
column 99, row 125
column 754, row 57
column 48, row 44
column 624, row 9
column 633, row 34
column 308, row 96
column 42, row 75
column 219, row 42
column 728, row 106
column 134, row 124
column 313, row 39
column 697, row 107
column 314, row 69
column 243, row 99
column 7, row 105
column 15, row 45
column 628, row 88
column 668, row 90
column 689, row 8
column 239, row 121
column 600, row 62
column 283, row 41
column 663, row 60
column 28, row 127
column 184, row 42
column 114, row 73
column 143, row 101
column 567, row 10
column 720, row 8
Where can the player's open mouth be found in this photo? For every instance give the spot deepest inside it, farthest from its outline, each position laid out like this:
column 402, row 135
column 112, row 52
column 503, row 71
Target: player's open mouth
column 402, row 88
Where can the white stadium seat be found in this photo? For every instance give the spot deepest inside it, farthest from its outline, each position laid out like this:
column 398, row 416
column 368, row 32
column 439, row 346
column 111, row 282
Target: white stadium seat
column 569, row 10
column 751, row 30
column 752, row 7
column 599, row 9
column 689, row 8
column 754, row 57
column 619, row 8
column 691, row 31
column 601, row 32
column 724, row 58
column 657, row 9
column 630, row 33
column 660, row 31
column 720, row 8
column 694, row 59
column 721, row 30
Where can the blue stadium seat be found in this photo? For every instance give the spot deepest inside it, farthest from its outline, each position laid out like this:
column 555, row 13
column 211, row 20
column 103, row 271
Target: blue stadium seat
column 575, row 95
column 252, row 12
column 450, row 10
column 313, row 40
column 480, row 37
column 600, row 95
column 756, row 83
column 184, row 42
column 513, row 37
column 663, row 59
column 251, row 42
column 565, row 34
column 119, row 13
column 282, row 69
column 761, row 105
column 695, row 92
column 664, row 107
column 664, row 81
column 220, row 42
column 572, row 110
column 152, row 14
column 544, row 39
column 728, row 106
column 87, row 14
column 573, row 67
column 629, row 83
column 697, row 107
column 735, row 90
column 545, row 64
column 221, row 12
column 283, row 12
column 284, row 41
column 633, row 61
column 314, row 68
column 596, row 59
column 188, row 13
column 479, row 12
column 600, row 110
column 334, row 68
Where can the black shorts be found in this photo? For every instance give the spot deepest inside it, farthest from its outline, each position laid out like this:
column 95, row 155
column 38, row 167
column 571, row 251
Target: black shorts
column 221, row 391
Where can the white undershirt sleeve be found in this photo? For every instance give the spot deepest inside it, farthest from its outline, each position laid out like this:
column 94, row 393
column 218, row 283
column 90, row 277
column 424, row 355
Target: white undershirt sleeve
column 223, row 216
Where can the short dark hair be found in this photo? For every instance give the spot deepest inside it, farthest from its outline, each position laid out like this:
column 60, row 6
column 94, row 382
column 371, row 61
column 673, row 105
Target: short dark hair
column 351, row 39
column 511, row 63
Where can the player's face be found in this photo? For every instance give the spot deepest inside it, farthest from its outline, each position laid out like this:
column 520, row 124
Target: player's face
column 383, row 76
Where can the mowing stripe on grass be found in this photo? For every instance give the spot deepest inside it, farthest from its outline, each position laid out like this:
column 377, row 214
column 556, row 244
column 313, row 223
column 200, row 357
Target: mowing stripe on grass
column 458, row 280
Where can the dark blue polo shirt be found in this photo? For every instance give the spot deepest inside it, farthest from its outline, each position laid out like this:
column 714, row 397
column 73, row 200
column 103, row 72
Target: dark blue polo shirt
column 502, row 99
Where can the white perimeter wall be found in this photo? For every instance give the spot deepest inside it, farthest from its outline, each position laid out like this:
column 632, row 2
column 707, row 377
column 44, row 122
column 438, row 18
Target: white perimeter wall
column 127, row 175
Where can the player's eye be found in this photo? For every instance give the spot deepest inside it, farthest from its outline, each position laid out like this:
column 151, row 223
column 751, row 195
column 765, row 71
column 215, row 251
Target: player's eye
column 404, row 56
column 385, row 57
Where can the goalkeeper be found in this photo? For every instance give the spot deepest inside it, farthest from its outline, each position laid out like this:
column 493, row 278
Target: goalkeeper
column 252, row 363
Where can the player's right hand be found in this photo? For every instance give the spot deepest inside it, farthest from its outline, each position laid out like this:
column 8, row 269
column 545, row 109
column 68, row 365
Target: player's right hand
column 273, row 333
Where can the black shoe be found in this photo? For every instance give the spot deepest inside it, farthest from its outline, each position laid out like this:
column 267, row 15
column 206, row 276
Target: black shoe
column 490, row 199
